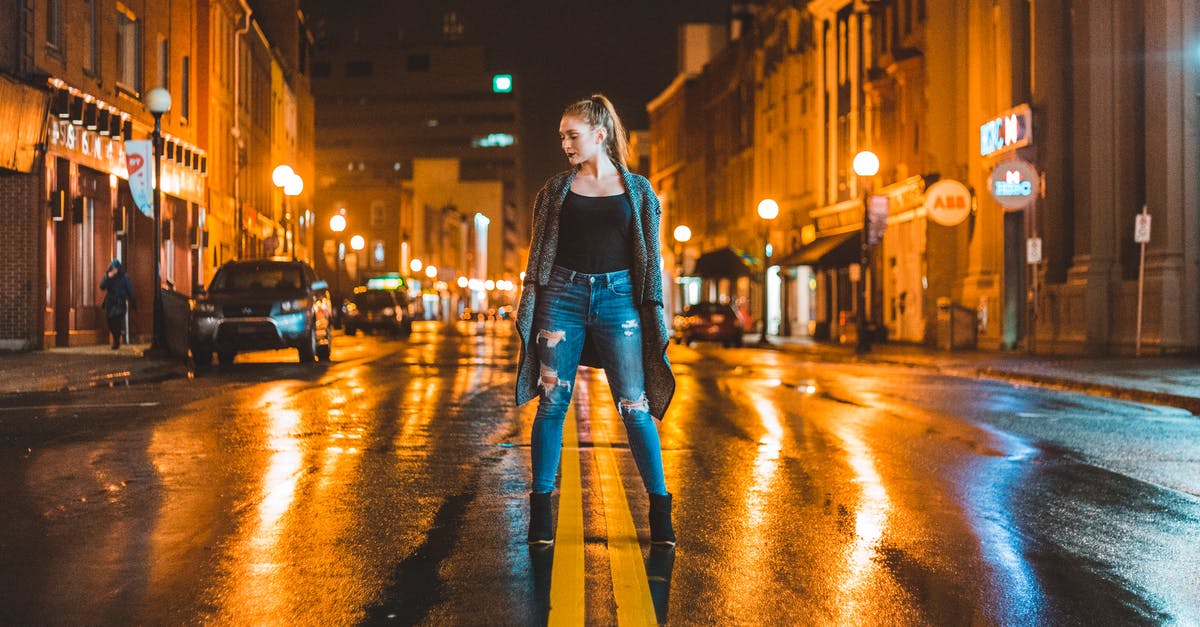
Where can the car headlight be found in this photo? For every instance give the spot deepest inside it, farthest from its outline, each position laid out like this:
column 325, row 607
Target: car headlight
column 288, row 306
column 388, row 311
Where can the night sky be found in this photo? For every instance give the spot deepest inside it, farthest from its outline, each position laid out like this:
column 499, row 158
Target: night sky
column 559, row 52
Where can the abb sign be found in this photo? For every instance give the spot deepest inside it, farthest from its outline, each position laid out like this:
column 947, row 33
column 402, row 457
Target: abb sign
column 948, row 202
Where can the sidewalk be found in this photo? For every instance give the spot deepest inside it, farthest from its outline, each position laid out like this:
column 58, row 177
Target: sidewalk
column 1171, row 381
column 81, row 367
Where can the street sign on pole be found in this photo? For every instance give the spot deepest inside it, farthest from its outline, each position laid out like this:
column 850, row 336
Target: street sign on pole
column 1033, row 250
column 877, row 210
column 1141, row 228
column 1141, row 235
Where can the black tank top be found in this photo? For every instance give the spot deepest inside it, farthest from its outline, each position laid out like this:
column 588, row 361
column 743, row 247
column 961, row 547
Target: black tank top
column 593, row 233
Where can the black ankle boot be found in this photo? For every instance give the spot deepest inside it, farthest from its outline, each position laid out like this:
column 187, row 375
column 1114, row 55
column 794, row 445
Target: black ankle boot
column 661, row 531
column 541, row 518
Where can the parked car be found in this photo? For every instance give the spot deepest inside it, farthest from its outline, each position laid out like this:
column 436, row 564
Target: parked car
column 261, row 305
column 379, row 310
column 714, row 322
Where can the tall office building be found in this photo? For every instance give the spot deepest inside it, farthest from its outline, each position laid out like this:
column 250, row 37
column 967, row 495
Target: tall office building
column 389, row 100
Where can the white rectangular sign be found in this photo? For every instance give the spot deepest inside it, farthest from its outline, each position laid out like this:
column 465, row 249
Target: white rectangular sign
column 1033, row 250
column 1141, row 228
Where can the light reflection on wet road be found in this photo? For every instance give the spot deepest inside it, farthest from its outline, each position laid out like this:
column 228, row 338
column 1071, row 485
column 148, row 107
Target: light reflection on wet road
column 390, row 486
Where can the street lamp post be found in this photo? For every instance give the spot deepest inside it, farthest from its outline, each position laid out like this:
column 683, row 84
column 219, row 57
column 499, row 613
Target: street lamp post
column 158, row 101
column 285, row 178
column 357, row 243
column 337, row 224
column 682, row 235
column 768, row 210
column 866, row 165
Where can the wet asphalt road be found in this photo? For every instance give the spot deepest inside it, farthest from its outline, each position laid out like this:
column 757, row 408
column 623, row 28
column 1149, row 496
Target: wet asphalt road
column 390, row 486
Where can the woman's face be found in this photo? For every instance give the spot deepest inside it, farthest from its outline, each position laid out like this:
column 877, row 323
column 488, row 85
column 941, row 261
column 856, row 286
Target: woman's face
column 580, row 141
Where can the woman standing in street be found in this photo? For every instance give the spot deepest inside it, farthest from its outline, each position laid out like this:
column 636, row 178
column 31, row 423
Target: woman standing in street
column 118, row 290
column 593, row 296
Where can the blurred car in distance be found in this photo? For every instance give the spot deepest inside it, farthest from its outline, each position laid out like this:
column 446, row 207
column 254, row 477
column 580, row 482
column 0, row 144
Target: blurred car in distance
column 710, row 322
column 262, row 305
column 378, row 310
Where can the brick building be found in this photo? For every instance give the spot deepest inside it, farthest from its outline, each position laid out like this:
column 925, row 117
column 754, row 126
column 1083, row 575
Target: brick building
column 73, row 76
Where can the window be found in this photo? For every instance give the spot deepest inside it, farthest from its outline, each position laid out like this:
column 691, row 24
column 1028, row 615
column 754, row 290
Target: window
column 54, row 24
column 418, row 62
column 355, row 69
column 378, row 254
column 90, row 41
column 129, row 56
column 185, row 88
column 85, row 252
column 378, row 214
column 164, row 62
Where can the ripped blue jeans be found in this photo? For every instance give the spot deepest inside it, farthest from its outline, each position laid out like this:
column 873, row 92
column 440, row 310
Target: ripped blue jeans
column 571, row 306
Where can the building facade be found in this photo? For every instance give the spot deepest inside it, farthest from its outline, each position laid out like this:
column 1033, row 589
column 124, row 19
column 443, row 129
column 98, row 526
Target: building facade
column 1085, row 109
column 385, row 104
column 74, row 76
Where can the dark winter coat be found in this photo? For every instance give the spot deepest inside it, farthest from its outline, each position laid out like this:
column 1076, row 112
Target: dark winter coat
column 645, row 271
column 118, row 290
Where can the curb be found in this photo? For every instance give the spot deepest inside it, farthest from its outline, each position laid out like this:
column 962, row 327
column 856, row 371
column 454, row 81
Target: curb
column 1187, row 403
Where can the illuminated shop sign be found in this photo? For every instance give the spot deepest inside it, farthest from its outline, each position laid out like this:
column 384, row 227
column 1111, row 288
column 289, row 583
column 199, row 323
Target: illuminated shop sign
column 948, row 202
column 1008, row 131
column 494, row 140
column 1014, row 183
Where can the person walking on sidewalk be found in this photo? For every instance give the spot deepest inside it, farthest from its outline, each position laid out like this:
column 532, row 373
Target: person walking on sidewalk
column 118, row 290
column 593, row 295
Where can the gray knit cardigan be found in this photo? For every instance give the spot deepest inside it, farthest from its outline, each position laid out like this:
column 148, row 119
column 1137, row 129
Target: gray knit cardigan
column 645, row 271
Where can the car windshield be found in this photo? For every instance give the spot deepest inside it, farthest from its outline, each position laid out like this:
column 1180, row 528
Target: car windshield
column 255, row 277
column 373, row 299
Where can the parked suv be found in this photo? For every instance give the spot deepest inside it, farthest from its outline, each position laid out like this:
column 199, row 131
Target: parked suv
column 260, row 305
column 386, row 310
column 717, row 322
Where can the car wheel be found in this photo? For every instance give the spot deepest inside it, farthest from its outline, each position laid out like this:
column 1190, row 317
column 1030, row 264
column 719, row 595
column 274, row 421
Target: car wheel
column 324, row 350
column 226, row 357
column 202, row 357
column 406, row 328
column 308, row 350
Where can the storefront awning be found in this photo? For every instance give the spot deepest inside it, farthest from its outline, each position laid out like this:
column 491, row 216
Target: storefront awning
column 722, row 263
column 23, row 111
column 838, row 250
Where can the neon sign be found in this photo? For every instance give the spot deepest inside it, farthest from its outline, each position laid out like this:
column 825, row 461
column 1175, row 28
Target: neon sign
column 1010, row 130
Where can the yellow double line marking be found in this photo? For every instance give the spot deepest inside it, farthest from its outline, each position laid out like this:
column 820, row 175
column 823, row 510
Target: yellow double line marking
column 631, row 589
column 566, row 577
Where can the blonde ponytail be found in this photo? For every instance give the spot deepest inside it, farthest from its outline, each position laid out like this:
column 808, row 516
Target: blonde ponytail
column 598, row 111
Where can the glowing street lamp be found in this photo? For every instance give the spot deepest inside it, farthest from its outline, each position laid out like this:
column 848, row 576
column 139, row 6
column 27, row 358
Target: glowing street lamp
column 285, row 178
column 337, row 224
column 866, row 165
column 415, row 265
column 682, row 234
column 768, row 210
column 158, row 101
column 431, row 271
